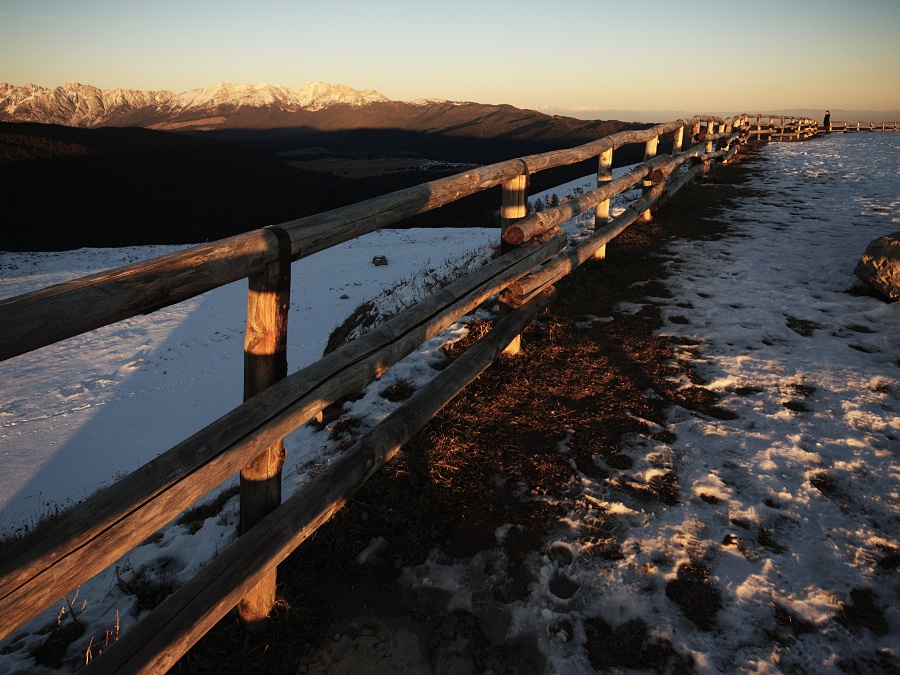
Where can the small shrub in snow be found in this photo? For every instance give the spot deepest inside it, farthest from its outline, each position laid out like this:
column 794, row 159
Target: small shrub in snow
column 398, row 390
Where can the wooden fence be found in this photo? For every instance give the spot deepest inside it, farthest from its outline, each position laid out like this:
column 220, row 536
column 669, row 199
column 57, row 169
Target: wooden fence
column 41, row 568
column 781, row 128
column 765, row 127
column 846, row 127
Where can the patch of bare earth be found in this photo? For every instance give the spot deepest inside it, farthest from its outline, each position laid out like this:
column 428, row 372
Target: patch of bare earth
column 585, row 382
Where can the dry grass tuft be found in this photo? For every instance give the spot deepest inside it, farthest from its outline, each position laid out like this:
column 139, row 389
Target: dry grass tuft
column 398, row 390
column 194, row 517
column 148, row 587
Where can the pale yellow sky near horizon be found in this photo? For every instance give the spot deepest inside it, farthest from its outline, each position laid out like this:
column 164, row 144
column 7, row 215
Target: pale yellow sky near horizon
column 581, row 55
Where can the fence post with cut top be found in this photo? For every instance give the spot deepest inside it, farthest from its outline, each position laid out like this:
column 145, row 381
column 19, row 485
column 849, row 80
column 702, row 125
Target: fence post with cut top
column 512, row 208
column 649, row 153
column 601, row 213
column 677, row 140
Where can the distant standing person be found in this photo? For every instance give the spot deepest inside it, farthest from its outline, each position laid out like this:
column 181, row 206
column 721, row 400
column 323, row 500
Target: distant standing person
column 827, row 122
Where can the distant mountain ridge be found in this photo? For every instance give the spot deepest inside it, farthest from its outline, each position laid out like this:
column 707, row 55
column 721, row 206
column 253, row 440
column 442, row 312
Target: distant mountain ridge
column 319, row 106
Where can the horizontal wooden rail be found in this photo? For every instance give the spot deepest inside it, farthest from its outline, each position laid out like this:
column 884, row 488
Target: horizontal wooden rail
column 714, row 136
column 43, row 317
column 159, row 640
column 80, row 543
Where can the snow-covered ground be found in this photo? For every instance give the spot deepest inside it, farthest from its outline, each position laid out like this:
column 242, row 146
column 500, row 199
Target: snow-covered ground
column 794, row 506
column 75, row 415
column 776, row 323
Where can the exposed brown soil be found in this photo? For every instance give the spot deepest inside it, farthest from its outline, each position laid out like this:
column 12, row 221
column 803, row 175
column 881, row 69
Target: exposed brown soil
column 463, row 476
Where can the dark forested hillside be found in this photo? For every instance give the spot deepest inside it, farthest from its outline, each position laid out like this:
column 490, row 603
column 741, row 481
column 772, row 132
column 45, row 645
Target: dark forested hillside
column 65, row 187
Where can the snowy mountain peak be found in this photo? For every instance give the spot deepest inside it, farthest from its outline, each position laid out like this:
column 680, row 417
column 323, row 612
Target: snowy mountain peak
column 224, row 93
column 76, row 104
column 317, row 95
column 310, row 96
column 72, row 104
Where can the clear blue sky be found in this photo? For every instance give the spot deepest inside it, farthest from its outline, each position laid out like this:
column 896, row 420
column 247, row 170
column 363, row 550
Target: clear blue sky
column 704, row 56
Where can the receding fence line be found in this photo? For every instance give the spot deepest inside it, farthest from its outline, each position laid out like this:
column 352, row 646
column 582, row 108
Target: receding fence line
column 785, row 128
column 782, row 128
column 64, row 310
column 80, row 543
column 842, row 127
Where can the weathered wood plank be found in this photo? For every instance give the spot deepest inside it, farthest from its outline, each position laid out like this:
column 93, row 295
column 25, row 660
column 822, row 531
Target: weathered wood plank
column 52, row 314
column 716, row 136
column 604, row 177
column 650, row 148
column 265, row 363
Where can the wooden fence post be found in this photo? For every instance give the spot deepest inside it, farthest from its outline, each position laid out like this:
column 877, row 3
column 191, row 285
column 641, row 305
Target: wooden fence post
column 677, row 141
column 265, row 363
column 649, row 153
column 512, row 208
column 601, row 213
column 513, row 205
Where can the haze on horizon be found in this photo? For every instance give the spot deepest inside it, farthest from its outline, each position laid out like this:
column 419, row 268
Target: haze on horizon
column 575, row 58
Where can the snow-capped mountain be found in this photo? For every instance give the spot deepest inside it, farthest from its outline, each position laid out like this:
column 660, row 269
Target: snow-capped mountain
column 350, row 118
column 74, row 104
column 310, row 96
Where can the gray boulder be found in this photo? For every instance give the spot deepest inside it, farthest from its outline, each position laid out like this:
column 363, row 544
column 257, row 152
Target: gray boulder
column 880, row 265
